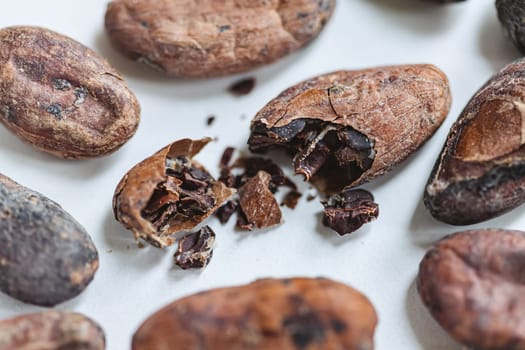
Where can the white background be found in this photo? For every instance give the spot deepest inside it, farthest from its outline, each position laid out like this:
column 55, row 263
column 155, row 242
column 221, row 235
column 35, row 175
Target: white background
column 381, row 260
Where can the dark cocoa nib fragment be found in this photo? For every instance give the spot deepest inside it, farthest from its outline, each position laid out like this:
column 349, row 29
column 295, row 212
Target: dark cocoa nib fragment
column 348, row 127
column 225, row 212
column 242, row 87
column 195, row 249
column 167, row 193
column 480, row 172
column 347, row 211
column 291, row 199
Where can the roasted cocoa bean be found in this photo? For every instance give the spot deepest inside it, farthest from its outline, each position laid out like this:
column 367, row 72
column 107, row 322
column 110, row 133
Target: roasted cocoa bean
column 348, row 127
column 46, row 256
column 473, row 284
column 298, row 313
column 480, row 172
column 61, row 97
column 51, row 330
column 167, row 193
column 511, row 14
column 211, row 38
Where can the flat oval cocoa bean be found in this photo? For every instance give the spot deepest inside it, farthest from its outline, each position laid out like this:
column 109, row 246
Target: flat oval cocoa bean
column 207, row 38
column 167, row 193
column 62, row 97
column 46, row 256
column 51, row 330
column 473, row 284
column 298, row 313
column 480, row 172
column 348, row 127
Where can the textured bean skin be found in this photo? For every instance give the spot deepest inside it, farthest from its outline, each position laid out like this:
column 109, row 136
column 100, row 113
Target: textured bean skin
column 46, row 256
column 51, row 330
column 61, row 97
column 204, row 38
column 473, row 284
column 396, row 107
column 480, row 172
column 298, row 313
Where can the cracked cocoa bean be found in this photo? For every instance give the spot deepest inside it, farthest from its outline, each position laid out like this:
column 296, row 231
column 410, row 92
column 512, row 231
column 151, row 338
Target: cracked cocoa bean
column 472, row 283
column 511, row 14
column 46, row 256
column 209, row 38
column 348, row 127
column 347, row 211
column 195, row 249
column 297, row 313
column 51, row 330
column 480, row 172
column 61, row 97
column 167, row 193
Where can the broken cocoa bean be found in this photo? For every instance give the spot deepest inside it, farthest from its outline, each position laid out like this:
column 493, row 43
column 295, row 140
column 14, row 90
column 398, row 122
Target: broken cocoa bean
column 167, row 193
column 51, row 330
column 348, row 127
column 472, row 283
column 61, row 97
column 195, row 249
column 46, row 256
column 297, row 313
column 480, row 172
column 209, row 38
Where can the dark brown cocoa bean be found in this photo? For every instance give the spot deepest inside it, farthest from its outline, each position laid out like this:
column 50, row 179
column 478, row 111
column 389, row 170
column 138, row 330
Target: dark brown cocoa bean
column 211, row 38
column 348, row 127
column 46, row 256
column 61, row 97
column 473, row 284
column 511, row 14
column 51, row 330
column 298, row 313
column 480, row 172
column 167, row 193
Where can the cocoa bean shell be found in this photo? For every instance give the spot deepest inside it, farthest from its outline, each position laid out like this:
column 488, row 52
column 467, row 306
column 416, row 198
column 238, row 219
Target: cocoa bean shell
column 138, row 185
column 397, row 107
column 46, row 256
column 297, row 313
column 51, row 330
column 212, row 38
column 61, row 97
column 480, row 172
column 472, row 283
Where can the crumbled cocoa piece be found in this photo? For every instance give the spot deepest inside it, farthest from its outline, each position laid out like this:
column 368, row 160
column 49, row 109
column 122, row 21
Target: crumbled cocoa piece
column 242, row 87
column 311, row 197
column 195, row 249
column 210, row 120
column 291, row 199
column 225, row 212
column 347, row 211
column 258, row 204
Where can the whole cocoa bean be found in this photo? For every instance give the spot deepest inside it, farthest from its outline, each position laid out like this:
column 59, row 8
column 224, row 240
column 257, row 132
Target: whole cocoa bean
column 51, row 330
column 473, row 284
column 511, row 14
column 348, row 127
column 298, row 313
column 61, row 97
column 46, row 256
column 480, row 172
column 167, row 193
column 211, row 38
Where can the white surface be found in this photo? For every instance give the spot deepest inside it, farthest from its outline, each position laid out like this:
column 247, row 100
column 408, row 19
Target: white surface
column 381, row 260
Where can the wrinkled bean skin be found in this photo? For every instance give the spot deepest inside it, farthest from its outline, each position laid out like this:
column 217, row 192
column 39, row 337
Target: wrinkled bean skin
column 473, row 284
column 397, row 108
column 46, row 256
column 480, row 172
column 298, row 313
column 51, row 330
column 61, row 97
column 206, row 38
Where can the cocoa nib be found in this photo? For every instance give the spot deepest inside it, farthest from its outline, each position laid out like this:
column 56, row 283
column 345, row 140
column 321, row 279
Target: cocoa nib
column 291, row 199
column 257, row 203
column 348, row 127
column 242, row 87
column 195, row 249
column 347, row 211
column 167, row 193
